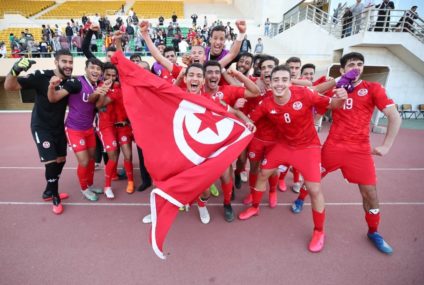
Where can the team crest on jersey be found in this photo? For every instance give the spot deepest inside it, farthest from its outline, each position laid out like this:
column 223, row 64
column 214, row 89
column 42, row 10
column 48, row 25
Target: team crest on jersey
column 219, row 95
column 82, row 142
column 252, row 154
column 273, row 111
column 362, row 92
column 124, row 138
column 46, row 144
column 114, row 143
column 297, row 105
column 264, row 161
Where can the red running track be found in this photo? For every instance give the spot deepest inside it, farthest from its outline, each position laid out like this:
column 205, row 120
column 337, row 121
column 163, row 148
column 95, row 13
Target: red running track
column 106, row 243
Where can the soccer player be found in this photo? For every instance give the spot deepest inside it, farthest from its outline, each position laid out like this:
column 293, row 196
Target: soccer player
column 79, row 122
column 289, row 111
column 47, row 126
column 348, row 145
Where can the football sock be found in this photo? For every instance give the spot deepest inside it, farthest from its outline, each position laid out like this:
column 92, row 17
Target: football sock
column 256, row 197
column 319, row 219
column 129, row 169
column 90, row 171
column 227, row 189
column 303, row 193
column 273, row 181
column 373, row 219
column 109, row 171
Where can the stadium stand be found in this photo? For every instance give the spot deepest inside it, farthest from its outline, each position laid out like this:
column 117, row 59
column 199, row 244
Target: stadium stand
column 155, row 9
column 25, row 8
column 71, row 9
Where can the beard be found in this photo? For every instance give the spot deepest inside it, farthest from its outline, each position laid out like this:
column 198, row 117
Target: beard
column 62, row 72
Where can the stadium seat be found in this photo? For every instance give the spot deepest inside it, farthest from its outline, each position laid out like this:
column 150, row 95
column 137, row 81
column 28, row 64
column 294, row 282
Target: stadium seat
column 407, row 109
column 77, row 9
column 420, row 111
column 155, row 9
column 25, row 8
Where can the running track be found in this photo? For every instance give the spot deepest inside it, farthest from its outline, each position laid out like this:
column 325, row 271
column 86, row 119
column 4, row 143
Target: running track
column 106, row 243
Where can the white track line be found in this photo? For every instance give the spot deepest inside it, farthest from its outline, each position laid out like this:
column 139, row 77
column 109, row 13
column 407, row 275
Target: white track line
column 74, row 168
column 12, row 203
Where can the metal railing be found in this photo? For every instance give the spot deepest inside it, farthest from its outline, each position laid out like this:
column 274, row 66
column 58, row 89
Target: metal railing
column 370, row 20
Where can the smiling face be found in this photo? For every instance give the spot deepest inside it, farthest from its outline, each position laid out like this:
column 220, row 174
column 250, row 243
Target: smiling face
column 65, row 65
column 294, row 69
column 308, row 73
column 244, row 64
column 266, row 69
column 170, row 55
column 110, row 74
column 217, row 42
column 280, row 82
column 197, row 54
column 93, row 72
column 212, row 77
column 194, row 79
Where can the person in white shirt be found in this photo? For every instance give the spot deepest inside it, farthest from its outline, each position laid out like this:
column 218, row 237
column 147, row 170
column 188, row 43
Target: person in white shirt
column 183, row 46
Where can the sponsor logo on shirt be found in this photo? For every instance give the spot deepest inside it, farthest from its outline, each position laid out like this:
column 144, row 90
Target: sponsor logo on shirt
column 219, row 95
column 264, row 162
column 124, row 138
column 252, row 154
column 46, row 144
column 114, row 143
column 297, row 105
column 362, row 92
column 82, row 142
column 273, row 111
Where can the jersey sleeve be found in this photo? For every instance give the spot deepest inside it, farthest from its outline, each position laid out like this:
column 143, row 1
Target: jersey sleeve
column 258, row 112
column 380, row 98
column 31, row 81
column 73, row 86
column 319, row 102
column 176, row 69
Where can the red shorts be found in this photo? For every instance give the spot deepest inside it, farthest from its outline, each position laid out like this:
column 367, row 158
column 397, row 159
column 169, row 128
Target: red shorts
column 356, row 166
column 125, row 135
column 257, row 149
column 108, row 138
column 81, row 140
column 306, row 160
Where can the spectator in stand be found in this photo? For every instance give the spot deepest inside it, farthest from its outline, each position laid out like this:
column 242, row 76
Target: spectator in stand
column 383, row 19
column 64, row 43
column 190, row 36
column 229, row 30
column 174, row 18
column 228, row 42
column 183, row 46
column 347, row 22
column 194, row 18
column 12, row 41
column 161, row 20
column 130, row 32
column 44, row 49
column 170, row 29
column 3, row 50
column 245, row 45
column 131, row 13
column 259, row 47
column 77, row 42
column 267, row 26
column 135, row 19
column 69, row 33
column 176, row 43
column 205, row 21
column 84, row 19
column 408, row 20
column 357, row 10
column 108, row 40
column 336, row 13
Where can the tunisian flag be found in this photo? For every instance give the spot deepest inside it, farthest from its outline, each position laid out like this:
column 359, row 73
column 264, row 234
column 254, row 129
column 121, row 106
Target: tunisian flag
column 187, row 140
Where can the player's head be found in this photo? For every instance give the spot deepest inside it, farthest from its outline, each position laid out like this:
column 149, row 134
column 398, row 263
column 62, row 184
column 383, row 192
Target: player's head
column 256, row 70
column 136, row 58
column 93, row 69
column 266, row 65
column 110, row 72
column 145, row 65
column 197, row 54
column 109, row 53
column 194, row 78
column 352, row 60
column 308, row 71
column 169, row 53
column 212, row 74
column 280, row 80
column 245, row 62
column 64, row 62
column 217, row 40
column 294, row 64
column 161, row 47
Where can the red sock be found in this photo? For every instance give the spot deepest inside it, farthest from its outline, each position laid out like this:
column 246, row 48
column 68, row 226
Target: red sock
column 303, row 193
column 273, row 181
column 319, row 219
column 109, row 171
column 252, row 179
column 90, row 172
column 283, row 174
column 372, row 220
column 201, row 202
column 227, row 189
column 82, row 173
column 129, row 169
column 296, row 175
column 257, row 197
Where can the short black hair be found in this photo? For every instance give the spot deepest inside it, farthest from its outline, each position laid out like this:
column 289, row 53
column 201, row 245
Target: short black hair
column 349, row 56
column 109, row 65
column 307, row 65
column 111, row 49
column 293, row 59
column 245, row 54
column 211, row 63
column 94, row 61
column 196, row 64
column 217, row 29
column 135, row 56
column 61, row 52
column 282, row 67
column 268, row 57
column 167, row 49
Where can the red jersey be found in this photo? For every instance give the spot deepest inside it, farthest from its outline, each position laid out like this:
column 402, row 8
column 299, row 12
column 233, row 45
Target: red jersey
column 106, row 114
column 351, row 124
column 176, row 70
column 229, row 94
column 265, row 130
column 293, row 120
column 116, row 96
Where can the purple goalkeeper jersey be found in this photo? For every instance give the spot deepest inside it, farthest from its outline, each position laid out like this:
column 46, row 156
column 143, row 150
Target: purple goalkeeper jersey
column 81, row 111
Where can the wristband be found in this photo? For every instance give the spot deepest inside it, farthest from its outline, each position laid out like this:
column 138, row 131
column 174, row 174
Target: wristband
column 240, row 37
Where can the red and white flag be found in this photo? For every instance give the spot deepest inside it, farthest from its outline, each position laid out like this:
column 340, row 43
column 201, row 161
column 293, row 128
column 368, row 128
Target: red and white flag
column 187, row 141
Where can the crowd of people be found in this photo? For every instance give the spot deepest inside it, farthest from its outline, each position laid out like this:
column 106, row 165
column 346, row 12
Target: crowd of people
column 276, row 101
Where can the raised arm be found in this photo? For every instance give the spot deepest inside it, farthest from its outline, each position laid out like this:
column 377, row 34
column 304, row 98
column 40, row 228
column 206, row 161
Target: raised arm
column 144, row 29
column 252, row 90
column 11, row 83
column 85, row 46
